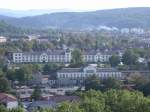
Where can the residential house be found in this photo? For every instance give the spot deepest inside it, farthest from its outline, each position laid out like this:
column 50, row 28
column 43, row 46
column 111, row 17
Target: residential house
column 8, row 100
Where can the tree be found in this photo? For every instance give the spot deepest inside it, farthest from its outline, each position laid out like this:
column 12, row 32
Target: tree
column 141, row 82
column 148, row 64
column 68, row 107
column 3, row 108
column 146, row 89
column 93, row 101
column 50, row 68
column 114, row 60
column 20, row 75
column 137, row 78
column 44, row 110
column 4, row 85
column 111, row 83
column 36, row 68
column 93, row 105
column 24, row 73
column 129, row 57
column 36, row 95
column 92, row 82
column 125, row 101
column 19, row 109
column 77, row 59
column 1, row 73
column 10, row 74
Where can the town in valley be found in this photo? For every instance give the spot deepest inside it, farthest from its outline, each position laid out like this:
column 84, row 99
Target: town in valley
column 76, row 62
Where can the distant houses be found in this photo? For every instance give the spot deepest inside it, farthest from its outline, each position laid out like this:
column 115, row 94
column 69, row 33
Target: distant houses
column 52, row 102
column 24, row 93
column 28, row 38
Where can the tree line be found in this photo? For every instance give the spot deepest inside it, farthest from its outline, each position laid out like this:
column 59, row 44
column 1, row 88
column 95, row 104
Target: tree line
column 96, row 101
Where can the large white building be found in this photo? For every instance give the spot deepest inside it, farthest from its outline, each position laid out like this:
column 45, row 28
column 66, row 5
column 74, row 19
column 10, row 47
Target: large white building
column 56, row 56
column 76, row 76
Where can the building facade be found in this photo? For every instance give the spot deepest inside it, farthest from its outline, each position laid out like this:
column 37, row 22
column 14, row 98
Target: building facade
column 56, row 56
column 96, row 56
column 77, row 76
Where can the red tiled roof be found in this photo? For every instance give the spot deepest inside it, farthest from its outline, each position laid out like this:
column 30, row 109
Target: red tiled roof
column 4, row 98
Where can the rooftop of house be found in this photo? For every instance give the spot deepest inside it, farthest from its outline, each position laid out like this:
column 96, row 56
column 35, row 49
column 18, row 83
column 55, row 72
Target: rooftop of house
column 52, row 101
column 43, row 37
column 4, row 98
column 40, row 104
column 58, row 99
column 48, row 52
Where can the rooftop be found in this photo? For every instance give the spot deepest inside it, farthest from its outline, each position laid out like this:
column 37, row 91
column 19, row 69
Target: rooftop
column 70, row 70
column 4, row 98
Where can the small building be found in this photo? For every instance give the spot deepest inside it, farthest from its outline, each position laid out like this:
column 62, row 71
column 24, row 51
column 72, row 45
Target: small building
column 14, row 39
column 8, row 100
column 3, row 39
column 42, row 39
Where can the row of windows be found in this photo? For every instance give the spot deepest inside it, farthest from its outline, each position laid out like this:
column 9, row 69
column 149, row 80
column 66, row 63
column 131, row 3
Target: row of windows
column 62, row 56
column 36, row 57
column 82, row 75
column 18, row 54
column 93, row 60
column 95, row 56
column 37, row 60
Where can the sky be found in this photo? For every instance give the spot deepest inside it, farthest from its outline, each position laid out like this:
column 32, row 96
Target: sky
column 72, row 4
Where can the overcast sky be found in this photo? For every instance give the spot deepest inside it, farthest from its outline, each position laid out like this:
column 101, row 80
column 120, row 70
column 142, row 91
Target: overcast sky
column 72, row 4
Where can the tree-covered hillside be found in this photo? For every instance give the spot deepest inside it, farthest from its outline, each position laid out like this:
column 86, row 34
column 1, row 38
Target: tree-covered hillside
column 7, row 29
column 10, row 30
column 121, row 18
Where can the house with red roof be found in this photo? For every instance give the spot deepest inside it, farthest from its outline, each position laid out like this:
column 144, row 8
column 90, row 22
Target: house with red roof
column 8, row 100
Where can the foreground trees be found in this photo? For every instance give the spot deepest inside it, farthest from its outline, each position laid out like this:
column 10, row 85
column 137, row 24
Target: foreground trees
column 3, row 109
column 96, row 101
column 109, row 101
column 125, row 101
column 142, row 83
